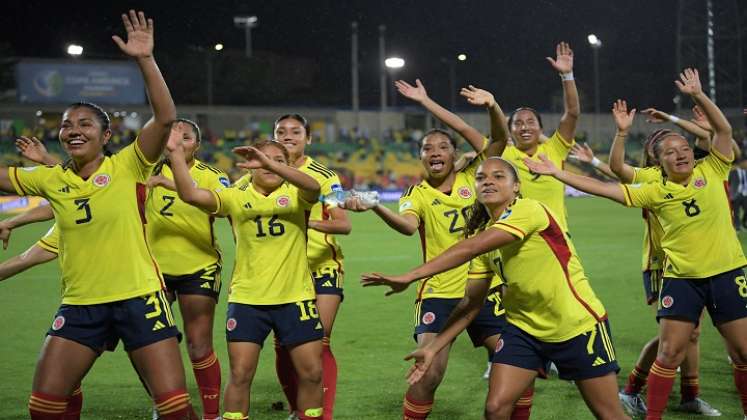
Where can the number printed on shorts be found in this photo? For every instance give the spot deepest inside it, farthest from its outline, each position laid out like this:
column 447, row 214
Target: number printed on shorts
column 153, row 300
column 307, row 310
column 273, row 226
column 742, row 286
column 82, row 204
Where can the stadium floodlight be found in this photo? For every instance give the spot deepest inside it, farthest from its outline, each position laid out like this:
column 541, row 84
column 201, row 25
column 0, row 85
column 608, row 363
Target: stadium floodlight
column 247, row 23
column 594, row 41
column 394, row 62
column 75, row 50
column 218, row 47
column 462, row 57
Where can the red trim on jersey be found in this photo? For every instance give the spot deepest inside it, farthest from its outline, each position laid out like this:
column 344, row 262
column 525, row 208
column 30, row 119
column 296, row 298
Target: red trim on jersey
column 141, row 195
column 554, row 238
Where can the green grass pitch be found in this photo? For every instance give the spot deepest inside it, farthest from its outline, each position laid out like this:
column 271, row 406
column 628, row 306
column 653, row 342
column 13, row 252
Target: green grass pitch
column 372, row 333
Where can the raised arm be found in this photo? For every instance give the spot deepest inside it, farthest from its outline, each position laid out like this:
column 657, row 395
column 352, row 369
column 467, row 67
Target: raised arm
column 255, row 159
column 609, row 190
column 498, row 123
column 406, row 224
column 418, row 94
column 455, row 256
column 139, row 46
column 36, row 214
column 689, row 84
column 33, row 149
column 185, row 187
column 563, row 63
column 460, row 318
column 583, row 153
column 701, row 121
column 655, row 116
column 337, row 224
column 623, row 120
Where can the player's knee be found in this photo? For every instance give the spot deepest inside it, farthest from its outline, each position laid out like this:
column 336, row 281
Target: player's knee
column 496, row 409
column 312, row 373
column 198, row 347
column 242, row 373
column 670, row 353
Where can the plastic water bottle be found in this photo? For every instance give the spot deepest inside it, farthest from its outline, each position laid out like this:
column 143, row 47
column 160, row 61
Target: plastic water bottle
column 337, row 198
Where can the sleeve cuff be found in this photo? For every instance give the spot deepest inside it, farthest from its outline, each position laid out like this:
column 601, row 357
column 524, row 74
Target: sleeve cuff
column 510, row 229
column 721, row 157
column 626, row 194
column 140, row 154
column 13, row 176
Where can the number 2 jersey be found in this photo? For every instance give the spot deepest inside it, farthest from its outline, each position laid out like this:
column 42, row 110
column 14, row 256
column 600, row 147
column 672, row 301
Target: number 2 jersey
column 181, row 235
column 441, row 218
column 698, row 237
column 271, row 266
column 104, row 254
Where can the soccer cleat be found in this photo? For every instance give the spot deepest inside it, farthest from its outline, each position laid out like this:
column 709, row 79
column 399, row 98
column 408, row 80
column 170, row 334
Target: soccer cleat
column 698, row 406
column 293, row 416
column 552, row 370
column 155, row 415
column 486, row 375
column 633, row 404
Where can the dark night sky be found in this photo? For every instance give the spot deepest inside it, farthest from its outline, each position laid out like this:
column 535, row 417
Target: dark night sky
column 506, row 41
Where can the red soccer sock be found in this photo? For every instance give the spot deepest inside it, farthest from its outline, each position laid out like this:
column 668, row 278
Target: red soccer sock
column 74, row 405
column 660, row 381
column 523, row 406
column 689, row 388
column 740, row 380
column 286, row 375
column 329, row 378
column 47, row 407
column 207, row 374
column 636, row 381
column 414, row 409
column 175, row 406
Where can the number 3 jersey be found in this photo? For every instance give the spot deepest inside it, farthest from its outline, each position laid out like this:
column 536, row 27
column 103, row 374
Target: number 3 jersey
column 181, row 235
column 441, row 219
column 271, row 266
column 698, row 236
column 104, row 254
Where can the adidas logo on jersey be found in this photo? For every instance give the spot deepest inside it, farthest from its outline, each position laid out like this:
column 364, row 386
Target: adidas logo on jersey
column 205, row 285
column 159, row 325
column 65, row 189
column 327, row 284
column 669, row 196
column 247, row 205
column 598, row 361
column 436, row 202
column 318, row 326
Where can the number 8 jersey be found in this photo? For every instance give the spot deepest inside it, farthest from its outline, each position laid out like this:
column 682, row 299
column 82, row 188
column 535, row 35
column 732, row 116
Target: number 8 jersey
column 699, row 239
column 441, row 219
column 104, row 254
column 271, row 265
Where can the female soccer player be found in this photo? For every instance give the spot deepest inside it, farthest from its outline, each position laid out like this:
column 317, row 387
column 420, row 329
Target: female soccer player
column 436, row 209
column 181, row 238
column 553, row 317
column 110, row 292
column 272, row 287
column 691, row 204
column 653, row 258
column 526, row 130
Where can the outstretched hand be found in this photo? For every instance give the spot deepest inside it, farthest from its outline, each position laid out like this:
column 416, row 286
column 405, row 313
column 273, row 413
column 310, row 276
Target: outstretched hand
column 139, row 35
column 423, row 360
column 175, row 142
column 543, row 167
column 397, row 284
column 477, row 96
column 254, row 157
column 689, row 82
column 563, row 61
column 5, row 231
column 623, row 118
column 354, row 203
column 654, row 116
column 32, row 149
column 581, row 152
column 416, row 93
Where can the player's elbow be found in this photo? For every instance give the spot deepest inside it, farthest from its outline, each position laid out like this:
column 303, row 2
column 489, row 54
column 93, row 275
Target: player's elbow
column 345, row 227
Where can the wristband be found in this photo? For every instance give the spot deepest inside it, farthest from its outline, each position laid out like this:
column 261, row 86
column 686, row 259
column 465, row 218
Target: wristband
column 674, row 119
column 566, row 76
column 596, row 162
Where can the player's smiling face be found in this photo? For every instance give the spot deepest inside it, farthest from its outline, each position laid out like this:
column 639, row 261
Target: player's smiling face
column 495, row 183
column 268, row 180
column 525, row 129
column 438, row 155
column 81, row 134
column 189, row 140
column 292, row 134
column 676, row 157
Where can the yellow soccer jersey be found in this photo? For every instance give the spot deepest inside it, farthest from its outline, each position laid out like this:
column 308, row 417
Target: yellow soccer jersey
column 181, row 235
column 441, row 219
column 323, row 250
column 547, row 293
column 487, row 268
column 103, row 249
column 653, row 255
column 698, row 239
column 50, row 241
column 271, row 267
column 543, row 188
